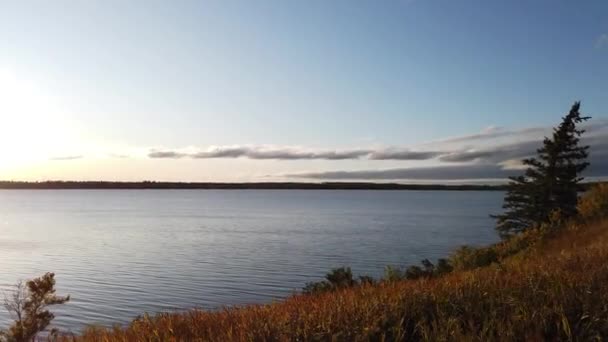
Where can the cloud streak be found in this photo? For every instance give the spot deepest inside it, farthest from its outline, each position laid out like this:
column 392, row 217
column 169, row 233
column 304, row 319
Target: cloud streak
column 498, row 153
column 454, row 172
column 402, row 154
column 491, row 133
column 464, row 172
column 282, row 153
column 293, row 153
column 166, row 154
column 60, row 158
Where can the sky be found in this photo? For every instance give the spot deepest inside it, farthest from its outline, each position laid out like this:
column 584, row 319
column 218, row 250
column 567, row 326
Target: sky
column 243, row 91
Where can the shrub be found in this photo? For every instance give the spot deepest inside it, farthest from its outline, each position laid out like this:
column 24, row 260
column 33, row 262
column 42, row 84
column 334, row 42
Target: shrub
column 428, row 269
column 467, row 258
column 28, row 305
column 316, row 287
column 392, row 273
column 593, row 204
column 366, row 280
column 341, row 277
column 415, row 272
column 336, row 279
column 443, row 266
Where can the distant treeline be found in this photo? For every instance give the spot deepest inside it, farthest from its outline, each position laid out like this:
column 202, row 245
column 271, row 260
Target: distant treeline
column 229, row 186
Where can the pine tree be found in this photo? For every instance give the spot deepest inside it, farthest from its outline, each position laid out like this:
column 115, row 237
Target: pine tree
column 551, row 180
column 571, row 161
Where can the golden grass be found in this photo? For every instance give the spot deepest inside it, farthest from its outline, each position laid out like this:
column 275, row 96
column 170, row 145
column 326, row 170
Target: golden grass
column 559, row 291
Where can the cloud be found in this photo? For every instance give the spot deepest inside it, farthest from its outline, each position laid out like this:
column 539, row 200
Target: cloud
column 67, row 157
column 455, row 172
column 166, row 154
column 495, row 162
column 596, row 125
column 490, row 133
column 464, row 172
column 596, row 136
column 527, row 133
column 494, row 153
column 283, row 153
column 512, row 164
column 402, row 154
column 295, row 153
column 601, row 41
column 484, row 146
column 497, row 153
column 261, row 152
column 466, row 156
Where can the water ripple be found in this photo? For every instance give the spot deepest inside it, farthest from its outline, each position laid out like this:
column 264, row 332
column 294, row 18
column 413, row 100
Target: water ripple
column 122, row 253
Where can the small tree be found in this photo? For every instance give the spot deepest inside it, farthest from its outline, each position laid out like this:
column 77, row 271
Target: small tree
column 28, row 306
column 550, row 183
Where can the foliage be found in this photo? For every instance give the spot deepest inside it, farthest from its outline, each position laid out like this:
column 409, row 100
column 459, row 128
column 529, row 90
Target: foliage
column 443, row 267
column 594, row 203
column 28, row 306
column 338, row 278
column 428, row 269
column 550, row 182
column 467, row 258
column 392, row 273
column 317, row 287
column 366, row 280
column 341, row 277
column 557, row 292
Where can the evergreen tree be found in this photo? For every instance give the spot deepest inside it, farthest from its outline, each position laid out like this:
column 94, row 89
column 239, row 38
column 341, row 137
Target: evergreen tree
column 551, row 180
column 571, row 161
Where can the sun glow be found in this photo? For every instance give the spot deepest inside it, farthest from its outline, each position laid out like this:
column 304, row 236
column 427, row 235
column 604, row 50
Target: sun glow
column 32, row 125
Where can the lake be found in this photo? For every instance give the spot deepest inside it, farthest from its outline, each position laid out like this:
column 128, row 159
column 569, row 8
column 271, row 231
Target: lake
column 120, row 253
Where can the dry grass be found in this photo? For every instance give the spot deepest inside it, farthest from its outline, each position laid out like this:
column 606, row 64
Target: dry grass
column 559, row 291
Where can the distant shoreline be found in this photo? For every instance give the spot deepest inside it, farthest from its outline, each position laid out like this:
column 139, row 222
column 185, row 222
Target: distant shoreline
column 92, row 185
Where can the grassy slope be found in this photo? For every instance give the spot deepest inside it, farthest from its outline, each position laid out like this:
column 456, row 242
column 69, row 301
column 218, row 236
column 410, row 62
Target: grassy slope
column 558, row 290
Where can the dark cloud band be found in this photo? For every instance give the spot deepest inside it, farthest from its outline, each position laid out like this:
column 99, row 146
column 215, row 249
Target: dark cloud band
column 598, row 168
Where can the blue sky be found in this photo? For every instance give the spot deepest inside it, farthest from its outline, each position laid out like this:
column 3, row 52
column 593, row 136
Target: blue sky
column 93, row 89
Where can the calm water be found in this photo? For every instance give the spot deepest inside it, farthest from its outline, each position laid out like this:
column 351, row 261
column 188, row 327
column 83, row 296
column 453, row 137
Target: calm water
column 122, row 253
